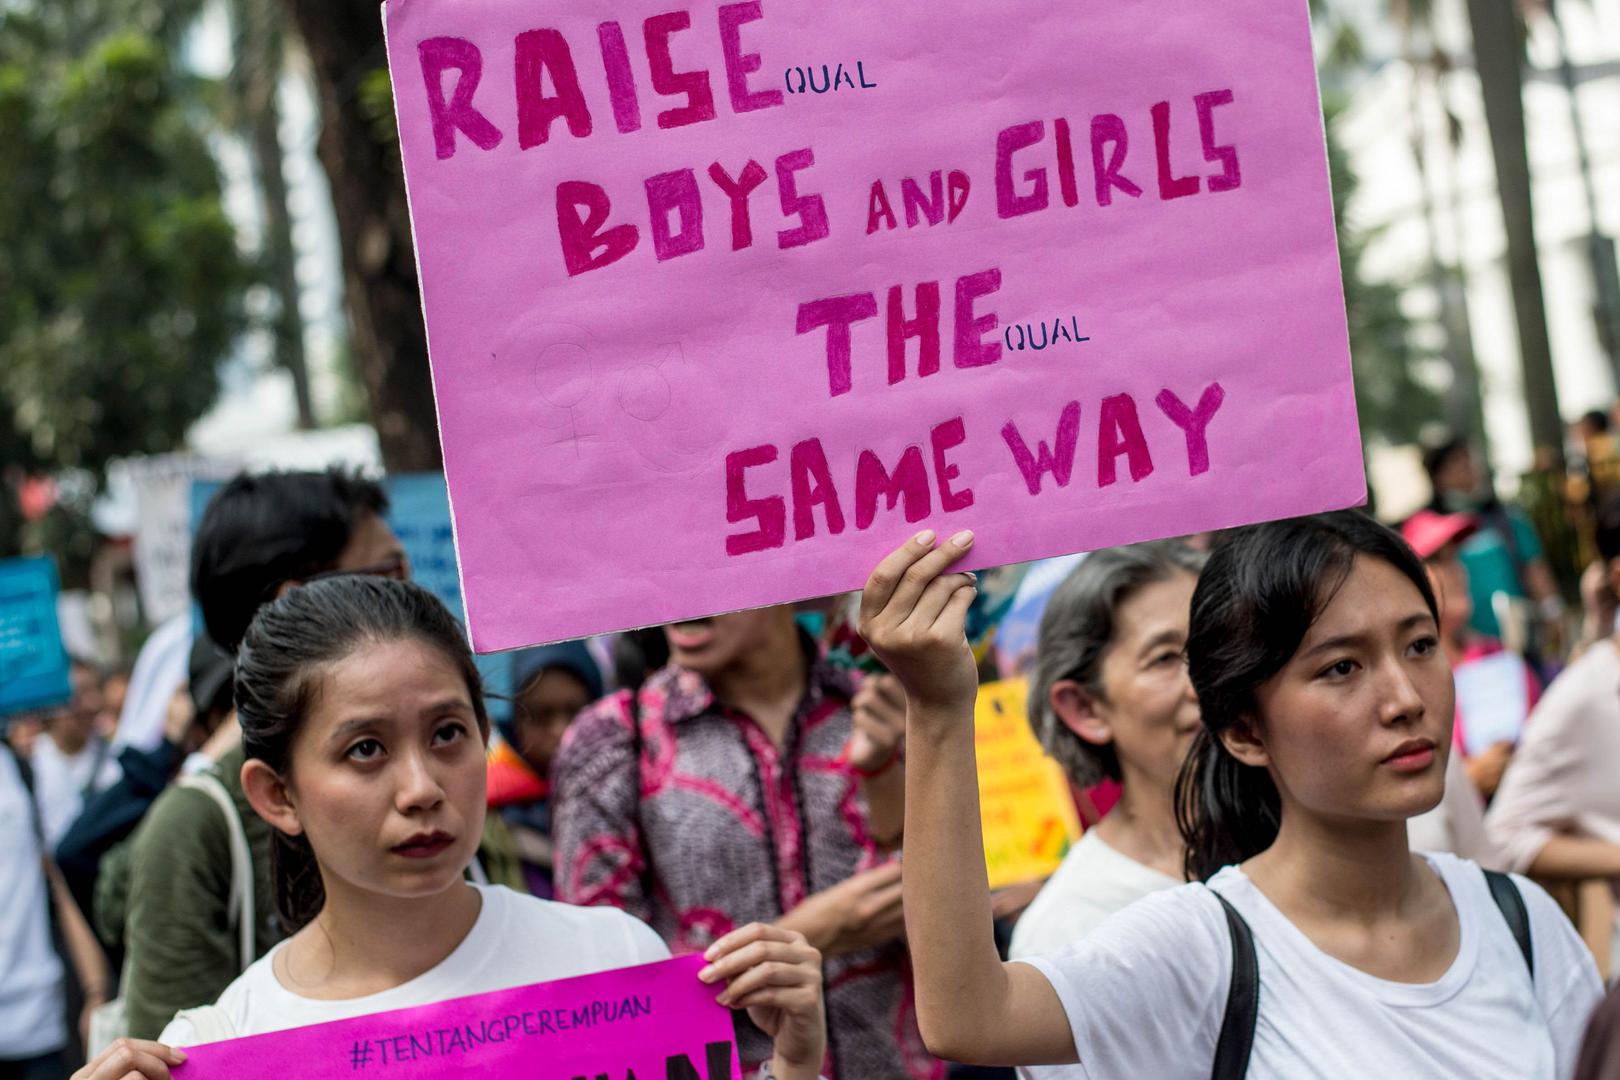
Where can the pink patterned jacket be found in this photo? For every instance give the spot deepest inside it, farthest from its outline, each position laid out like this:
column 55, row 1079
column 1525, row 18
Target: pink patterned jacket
column 718, row 828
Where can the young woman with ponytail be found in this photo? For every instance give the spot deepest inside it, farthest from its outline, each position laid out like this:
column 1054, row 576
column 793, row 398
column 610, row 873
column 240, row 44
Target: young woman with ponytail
column 1310, row 942
column 364, row 725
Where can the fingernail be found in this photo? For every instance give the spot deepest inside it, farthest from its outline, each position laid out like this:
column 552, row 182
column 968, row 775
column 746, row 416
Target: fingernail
column 963, row 538
column 706, row 974
column 708, row 954
column 926, row 537
column 973, row 577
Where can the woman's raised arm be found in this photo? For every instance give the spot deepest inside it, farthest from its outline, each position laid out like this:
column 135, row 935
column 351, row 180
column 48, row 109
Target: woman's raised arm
column 970, row 1006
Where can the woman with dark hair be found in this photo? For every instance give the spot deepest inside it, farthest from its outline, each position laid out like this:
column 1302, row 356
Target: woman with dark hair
column 1110, row 699
column 363, row 719
column 1311, row 941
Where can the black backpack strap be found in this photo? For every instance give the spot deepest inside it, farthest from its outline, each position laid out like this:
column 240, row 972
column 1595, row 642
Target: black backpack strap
column 1511, row 902
column 1242, row 1000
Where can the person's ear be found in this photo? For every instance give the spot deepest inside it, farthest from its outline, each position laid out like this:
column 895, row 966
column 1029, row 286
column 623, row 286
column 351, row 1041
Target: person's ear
column 270, row 797
column 1080, row 711
column 1242, row 740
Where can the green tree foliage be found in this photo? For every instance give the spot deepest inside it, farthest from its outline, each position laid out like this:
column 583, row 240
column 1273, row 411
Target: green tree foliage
column 120, row 279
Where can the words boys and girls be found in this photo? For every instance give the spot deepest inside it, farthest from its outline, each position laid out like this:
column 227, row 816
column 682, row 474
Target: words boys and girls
column 549, row 89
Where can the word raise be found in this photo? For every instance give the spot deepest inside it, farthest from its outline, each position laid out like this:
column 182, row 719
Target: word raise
column 544, row 57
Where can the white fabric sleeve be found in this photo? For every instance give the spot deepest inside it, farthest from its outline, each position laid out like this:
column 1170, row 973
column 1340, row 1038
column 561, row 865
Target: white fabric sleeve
column 643, row 941
column 1566, row 977
column 1145, row 993
column 179, row 1032
column 1547, row 772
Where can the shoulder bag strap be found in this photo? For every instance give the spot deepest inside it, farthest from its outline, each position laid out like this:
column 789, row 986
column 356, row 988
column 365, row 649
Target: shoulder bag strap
column 1511, row 903
column 1242, row 1000
column 242, row 907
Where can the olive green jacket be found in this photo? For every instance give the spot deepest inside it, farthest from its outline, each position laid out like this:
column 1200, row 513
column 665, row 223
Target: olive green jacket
column 182, row 944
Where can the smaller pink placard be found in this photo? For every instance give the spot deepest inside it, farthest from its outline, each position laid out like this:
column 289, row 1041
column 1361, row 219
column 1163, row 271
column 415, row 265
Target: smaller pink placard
column 656, row 1022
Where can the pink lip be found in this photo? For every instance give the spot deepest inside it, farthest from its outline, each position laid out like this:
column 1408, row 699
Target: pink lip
column 689, row 636
column 424, row 845
column 1411, row 757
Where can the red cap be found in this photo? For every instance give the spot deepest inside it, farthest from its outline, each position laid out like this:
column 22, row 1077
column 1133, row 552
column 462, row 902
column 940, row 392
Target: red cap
column 1428, row 531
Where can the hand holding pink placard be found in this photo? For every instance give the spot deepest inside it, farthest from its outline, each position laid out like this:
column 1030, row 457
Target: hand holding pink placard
column 655, row 1021
column 724, row 299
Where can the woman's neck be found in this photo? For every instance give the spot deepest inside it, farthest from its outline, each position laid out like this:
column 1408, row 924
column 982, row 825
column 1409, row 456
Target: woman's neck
column 1361, row 896
column 1142, row 825
column 1324, row 869
column 362, row 943
column 767, row 682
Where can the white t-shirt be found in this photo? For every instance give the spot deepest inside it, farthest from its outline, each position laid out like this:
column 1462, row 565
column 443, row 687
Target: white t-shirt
column 1146, row 993
column 61, row 781
column 518, row 940
column 32, row 1018
column 1093, row 881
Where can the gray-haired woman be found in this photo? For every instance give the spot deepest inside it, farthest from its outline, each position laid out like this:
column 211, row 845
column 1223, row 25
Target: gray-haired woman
column 1111, row 699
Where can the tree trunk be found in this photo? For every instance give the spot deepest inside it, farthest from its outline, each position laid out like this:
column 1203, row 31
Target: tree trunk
column 1465, row 409
column 345, row 44
column 258, row 74
column 1498, row 51
column 1599, row 248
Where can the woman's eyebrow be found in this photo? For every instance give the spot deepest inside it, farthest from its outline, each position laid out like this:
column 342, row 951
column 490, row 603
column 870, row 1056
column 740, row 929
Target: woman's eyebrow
column 449, row 704
column 353, row 727
column 1416, row 619
column 1171, row 636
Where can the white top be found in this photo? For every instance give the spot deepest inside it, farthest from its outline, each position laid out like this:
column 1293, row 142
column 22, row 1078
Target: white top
column 1562, row 778
column 518, row 940
column 1146, row 993
column 32, row 1017
column 60, row 781
column 1092, row 883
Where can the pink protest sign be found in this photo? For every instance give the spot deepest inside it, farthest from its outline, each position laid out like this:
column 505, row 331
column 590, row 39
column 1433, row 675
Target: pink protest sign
column 656, row 1022
column 726, row 299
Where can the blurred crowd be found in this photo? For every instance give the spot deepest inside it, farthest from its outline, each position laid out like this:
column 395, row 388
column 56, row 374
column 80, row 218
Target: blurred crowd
column 752, row 767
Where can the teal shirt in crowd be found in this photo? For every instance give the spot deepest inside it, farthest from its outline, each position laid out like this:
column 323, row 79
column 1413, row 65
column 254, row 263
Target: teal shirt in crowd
column 1492, row 568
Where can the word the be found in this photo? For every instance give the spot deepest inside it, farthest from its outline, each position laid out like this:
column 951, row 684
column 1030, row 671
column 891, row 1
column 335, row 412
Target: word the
column 831, row 81
column 544, row 58
column 1021, row 336
column 1110, row 144
column 447, row 1041
column 839, row 313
